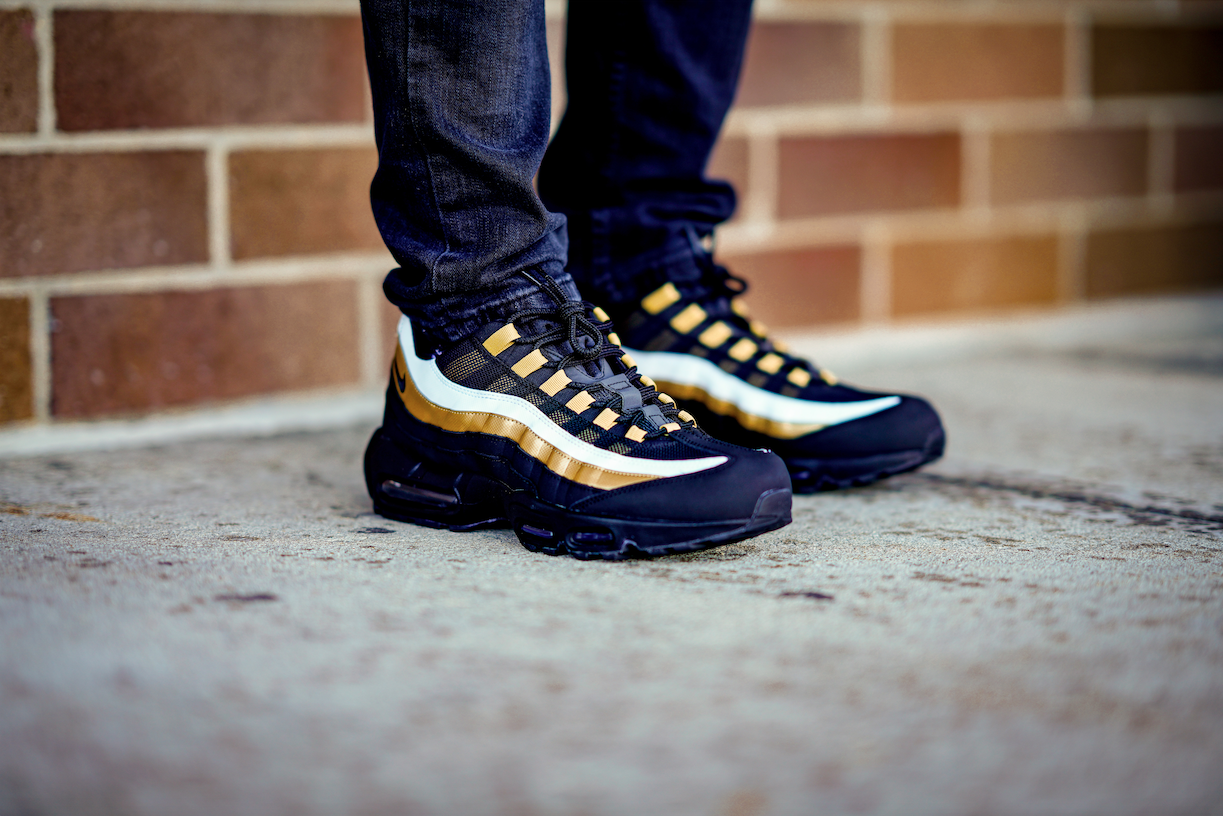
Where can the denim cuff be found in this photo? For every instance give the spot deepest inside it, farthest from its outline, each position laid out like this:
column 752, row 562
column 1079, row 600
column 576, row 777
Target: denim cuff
column 630, row 279
column 450, row 318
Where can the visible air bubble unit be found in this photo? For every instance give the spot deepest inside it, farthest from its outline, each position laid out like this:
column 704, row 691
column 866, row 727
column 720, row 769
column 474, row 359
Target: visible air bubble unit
column 403, row 492
column 592, row 541
column 591, row 536
column 407, row 488
column 539, row 539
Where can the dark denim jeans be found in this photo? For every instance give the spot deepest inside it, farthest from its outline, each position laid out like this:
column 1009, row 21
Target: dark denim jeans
column 461, row 98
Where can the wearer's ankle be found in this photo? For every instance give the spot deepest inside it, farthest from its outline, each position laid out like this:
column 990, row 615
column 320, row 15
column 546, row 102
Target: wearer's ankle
column 623, row 285
column 447, row 319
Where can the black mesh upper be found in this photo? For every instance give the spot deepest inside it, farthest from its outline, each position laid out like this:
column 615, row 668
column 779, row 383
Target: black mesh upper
column 471, row 365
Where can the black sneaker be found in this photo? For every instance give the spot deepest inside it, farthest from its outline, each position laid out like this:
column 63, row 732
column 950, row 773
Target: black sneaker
column 542, row 423
column 696, row 339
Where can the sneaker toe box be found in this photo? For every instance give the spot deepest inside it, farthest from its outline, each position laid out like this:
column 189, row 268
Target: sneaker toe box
column 912, row 425
column 730, row 491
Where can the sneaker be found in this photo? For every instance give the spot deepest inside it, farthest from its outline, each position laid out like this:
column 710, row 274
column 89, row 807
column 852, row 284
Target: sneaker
column 542, row 423
column 696, row 339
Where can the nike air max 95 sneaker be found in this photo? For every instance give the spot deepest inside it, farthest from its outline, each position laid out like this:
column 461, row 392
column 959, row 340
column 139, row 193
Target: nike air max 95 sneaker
column 695, row 338
column 541, row 422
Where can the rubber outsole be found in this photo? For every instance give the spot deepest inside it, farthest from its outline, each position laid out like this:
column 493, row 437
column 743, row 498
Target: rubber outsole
column 552, row 530
column 819, row 475
column 406, row 487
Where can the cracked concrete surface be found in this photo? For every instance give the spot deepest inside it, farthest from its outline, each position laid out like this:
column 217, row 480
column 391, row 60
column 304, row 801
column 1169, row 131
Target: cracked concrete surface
column 1033, row 625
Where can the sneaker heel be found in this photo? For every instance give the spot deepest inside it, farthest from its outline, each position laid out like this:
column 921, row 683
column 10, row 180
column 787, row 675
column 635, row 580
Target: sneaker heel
column 409, row 488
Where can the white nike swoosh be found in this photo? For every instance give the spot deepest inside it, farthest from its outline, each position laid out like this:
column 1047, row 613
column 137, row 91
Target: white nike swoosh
column 688, row 369
column 443, row 392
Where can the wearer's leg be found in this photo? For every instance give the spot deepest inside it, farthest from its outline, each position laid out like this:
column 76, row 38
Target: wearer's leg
column 649, row 85
column 461, row 97
column 627, row 169
column 528, row 412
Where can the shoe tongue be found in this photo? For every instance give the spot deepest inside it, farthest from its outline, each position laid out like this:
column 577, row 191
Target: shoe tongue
column 630, row 397
column 717, row 306
column 630, row 394
column 696, row 282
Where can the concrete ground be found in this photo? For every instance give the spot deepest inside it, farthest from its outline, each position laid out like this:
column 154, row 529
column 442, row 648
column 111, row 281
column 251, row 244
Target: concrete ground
column 1032, row 626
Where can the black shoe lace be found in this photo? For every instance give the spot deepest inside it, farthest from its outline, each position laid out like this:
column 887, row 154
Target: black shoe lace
column 585, row 338
column 570, row 321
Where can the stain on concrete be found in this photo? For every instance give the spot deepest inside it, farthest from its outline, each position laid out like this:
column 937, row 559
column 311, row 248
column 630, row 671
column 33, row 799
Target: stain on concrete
column 1147, row 515
column 251, row 598
column 817, row 596
column 46, row 511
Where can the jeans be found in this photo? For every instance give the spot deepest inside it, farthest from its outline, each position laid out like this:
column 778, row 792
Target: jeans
column 462, row 98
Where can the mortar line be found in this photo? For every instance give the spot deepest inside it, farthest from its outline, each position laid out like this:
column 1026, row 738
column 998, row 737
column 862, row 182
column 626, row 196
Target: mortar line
column 1077, row 60
column 272, row 137
column 369, row 297
column 975, row 165
column 1023, row 115
column 554, row 9
column 1018, row 219
column 216, row 171
column 1161, row 162
column 44, row 39
column 875, row 284
column 40, row 352
column 876, row 57
column 933, row 10
column 285, row 7
column 780, row 10
column 1072, row 256
column 199, row 276
column 763, row 156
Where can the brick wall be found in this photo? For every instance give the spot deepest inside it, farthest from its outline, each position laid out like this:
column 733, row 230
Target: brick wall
column 184, row 216
column 929, row 159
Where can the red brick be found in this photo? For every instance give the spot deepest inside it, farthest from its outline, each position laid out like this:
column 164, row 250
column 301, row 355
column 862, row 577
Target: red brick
column 1138, row 60
column 802, row 287
column 797, row 63
column 973, row 275
column 137, row 69
column 116, row 354
column 1164, row 259
column 18, row 73
column 16, row 374
column 66, row 212
column 951, row 61
column 1199, row 158
column 858, row 173
column 295, row 202
column 1038, row 165
column 729, row 163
